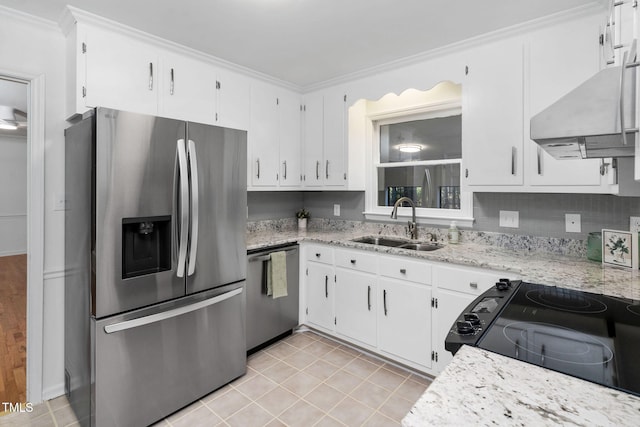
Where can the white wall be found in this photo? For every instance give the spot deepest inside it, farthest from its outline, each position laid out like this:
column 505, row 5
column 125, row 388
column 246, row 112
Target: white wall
column 34, row 47
column 13, row 195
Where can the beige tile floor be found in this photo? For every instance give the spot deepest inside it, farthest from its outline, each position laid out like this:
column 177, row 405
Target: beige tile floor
column 303, row 380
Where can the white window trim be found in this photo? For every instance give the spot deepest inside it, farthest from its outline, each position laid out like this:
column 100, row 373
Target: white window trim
column 463, row 216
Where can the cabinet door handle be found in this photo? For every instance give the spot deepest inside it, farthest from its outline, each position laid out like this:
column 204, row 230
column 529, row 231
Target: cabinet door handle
column 369, row 297
column 622, row 79
column 285, row 169
column 171, row 83
column 317, row 254
column 384, row 301
column 258, row 173
column 513, row 160
column 539, row 160
column 327, row 170
column 326, row 286
column 318, row 169
column 150, row 75
column 474, row 285
column 403, row 271
column 353, row 262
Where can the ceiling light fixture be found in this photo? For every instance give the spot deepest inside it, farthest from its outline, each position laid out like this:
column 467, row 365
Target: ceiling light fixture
column 410, row 148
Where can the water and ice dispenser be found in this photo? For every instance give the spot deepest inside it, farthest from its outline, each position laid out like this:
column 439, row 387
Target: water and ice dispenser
column 146, row 245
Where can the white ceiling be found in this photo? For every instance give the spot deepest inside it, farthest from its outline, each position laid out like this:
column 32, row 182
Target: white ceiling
column 305, row 42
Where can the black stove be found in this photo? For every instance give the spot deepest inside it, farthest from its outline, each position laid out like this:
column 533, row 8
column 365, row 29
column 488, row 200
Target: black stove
column 589, row 336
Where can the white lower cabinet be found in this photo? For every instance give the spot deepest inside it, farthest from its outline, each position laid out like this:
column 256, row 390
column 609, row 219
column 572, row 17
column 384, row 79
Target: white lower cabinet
column 456, row 287
column 320, row 294
column 404, row 320
column 355, row 302
column 400, row 307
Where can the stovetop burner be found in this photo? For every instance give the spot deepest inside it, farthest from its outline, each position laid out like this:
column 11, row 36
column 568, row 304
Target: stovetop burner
column 590, row 336
column 634, row 308
column 565, row 300
column 552, row 343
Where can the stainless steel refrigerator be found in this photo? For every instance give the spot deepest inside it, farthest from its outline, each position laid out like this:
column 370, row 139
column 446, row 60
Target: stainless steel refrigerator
column 155, row 256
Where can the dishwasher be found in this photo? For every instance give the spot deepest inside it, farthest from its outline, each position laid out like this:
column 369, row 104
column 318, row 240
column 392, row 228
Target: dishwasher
column 270, row 319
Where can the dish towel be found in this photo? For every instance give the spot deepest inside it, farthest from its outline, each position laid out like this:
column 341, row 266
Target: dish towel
column 277, row 275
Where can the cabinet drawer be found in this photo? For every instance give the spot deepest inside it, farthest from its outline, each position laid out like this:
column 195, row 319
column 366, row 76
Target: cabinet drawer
column 469, row 281
column 356, row 260
column 406, row 269
column 319, row 253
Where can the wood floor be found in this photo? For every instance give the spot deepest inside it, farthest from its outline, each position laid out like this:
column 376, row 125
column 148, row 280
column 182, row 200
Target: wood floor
column 13, row 329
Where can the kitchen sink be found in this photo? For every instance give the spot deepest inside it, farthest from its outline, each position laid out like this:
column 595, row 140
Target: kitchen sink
column 381, row 241
column 424, row 247
column 399, row 243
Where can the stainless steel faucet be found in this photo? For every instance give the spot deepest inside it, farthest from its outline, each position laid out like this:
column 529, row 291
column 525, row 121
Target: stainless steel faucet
column 413, row 226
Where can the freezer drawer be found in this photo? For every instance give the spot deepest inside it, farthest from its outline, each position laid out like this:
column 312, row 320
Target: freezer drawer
column 151, row 362
column 267, row 317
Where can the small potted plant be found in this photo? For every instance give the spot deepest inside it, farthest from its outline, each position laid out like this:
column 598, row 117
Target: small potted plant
column 302, row 216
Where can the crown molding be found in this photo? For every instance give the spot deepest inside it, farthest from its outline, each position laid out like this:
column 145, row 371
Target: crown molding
column 27, row 18
column 73, row 15
column 514, row 30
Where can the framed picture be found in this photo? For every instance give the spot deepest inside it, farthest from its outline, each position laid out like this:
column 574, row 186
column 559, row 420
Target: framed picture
column 620, row 248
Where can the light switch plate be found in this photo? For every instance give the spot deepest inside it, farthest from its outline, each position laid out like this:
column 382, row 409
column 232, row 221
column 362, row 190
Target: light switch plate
column 336, row 210
column 59, row 202
column 572, row 223
column 634, row 224
column 510, row 219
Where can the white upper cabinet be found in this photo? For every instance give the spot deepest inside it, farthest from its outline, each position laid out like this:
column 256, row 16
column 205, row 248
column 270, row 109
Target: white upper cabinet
column 121, row 72
column 617, row 32
column 335, row 117
column 508, row 83
column 263, row 137
column 557, row 61
column 325, row 140
column 188, row 89
column 112, row 68
column 233, row 100
column 274, row 138
column 313, row 140
column 492, row 120
column 290, row 140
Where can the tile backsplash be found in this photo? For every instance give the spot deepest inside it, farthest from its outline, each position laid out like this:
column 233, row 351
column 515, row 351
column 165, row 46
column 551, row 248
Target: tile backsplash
column 540, row 215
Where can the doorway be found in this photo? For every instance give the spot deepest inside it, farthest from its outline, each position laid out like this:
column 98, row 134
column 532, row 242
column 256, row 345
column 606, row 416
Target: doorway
column 14, row 154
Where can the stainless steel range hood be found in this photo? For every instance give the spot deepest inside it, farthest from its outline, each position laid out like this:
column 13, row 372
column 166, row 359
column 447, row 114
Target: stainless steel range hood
column 588, row 121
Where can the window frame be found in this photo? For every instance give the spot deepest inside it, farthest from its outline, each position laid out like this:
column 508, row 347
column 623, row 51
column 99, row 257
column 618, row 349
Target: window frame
column 433, row 216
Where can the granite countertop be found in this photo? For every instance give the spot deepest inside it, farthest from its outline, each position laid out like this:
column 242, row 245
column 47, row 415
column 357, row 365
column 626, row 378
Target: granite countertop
column 536, row 267
column 482, row 388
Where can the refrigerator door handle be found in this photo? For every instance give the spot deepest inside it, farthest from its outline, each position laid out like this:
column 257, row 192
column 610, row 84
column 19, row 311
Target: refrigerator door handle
column 158, row 317
column 193, row 171
column 184, row 207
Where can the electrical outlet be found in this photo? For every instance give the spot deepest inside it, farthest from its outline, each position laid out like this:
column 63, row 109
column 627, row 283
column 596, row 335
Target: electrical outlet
column 572, row 223
column 510, row 219
column 336, row 210
column 634, row 224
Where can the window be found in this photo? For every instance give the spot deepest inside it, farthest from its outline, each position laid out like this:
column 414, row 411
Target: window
column 417, row 152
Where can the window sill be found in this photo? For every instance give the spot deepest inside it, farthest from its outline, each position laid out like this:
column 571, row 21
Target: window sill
column 464, row 222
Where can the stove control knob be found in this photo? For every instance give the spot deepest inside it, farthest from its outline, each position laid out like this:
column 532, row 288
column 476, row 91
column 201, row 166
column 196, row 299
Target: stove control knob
column 507, row 281
column 502, row 286
column 464, row 328
column 472, row 318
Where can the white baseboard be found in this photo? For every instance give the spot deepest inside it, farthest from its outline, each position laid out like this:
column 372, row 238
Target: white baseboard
column 12, row 253
column 53, row 391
